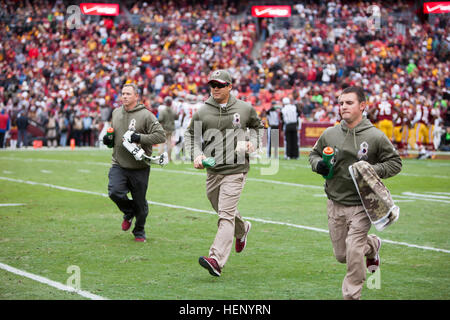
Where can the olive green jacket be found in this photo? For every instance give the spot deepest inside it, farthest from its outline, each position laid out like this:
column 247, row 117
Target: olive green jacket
column 167, row 118
column 364, row 142
column 147, row 126
column 215, row 131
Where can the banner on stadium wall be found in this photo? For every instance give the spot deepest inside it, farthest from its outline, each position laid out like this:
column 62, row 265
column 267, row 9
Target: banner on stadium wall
column 271, row 11
column 311, row 132
column 436, row 7
column 100, row 9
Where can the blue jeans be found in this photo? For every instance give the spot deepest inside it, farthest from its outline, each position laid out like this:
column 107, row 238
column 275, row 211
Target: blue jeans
column 63, row 139
column 22, row 139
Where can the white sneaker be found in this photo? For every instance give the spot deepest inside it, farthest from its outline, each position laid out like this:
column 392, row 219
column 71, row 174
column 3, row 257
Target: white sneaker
column 241, row 243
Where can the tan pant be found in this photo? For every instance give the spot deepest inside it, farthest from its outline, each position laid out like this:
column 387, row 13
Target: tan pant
column 224, row 191
column 348, row 227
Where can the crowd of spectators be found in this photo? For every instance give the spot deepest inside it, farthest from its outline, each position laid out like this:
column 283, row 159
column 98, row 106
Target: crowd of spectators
column 336, row 46
column 70, row 78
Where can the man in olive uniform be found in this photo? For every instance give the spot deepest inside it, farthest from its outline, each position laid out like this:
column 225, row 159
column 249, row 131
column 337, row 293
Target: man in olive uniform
column 354, row 139
column 227, row 129
column 128, row 174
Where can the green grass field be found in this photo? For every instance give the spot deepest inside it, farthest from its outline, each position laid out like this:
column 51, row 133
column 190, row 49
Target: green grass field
column 65, row 219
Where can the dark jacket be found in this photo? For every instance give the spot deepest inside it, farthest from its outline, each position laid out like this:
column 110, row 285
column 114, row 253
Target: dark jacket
column 22, row 122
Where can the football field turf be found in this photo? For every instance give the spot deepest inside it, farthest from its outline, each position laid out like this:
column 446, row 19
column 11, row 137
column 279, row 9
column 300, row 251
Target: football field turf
column 55, row 217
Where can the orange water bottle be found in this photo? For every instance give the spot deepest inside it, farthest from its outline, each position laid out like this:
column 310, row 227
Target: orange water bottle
column 110, row 137
column 328, row 158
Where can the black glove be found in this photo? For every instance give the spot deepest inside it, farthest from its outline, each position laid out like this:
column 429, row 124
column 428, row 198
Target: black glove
column 135, row 137
column 108, row 140
column 322, row 168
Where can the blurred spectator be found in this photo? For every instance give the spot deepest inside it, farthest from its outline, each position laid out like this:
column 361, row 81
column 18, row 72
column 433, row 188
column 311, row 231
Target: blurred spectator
column 290, row 119
column 87, row 129
column 63, row 124
column 22, row 125
column 167, row 118
column 5, row 124
column 77, row 129
column 51, row 130
column 273, row 132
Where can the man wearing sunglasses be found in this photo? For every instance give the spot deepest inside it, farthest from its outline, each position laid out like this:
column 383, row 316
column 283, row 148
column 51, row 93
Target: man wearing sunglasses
column 225, row 128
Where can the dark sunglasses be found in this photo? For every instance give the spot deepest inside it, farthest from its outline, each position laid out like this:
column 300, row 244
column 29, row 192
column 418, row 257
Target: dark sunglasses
column 217, row 85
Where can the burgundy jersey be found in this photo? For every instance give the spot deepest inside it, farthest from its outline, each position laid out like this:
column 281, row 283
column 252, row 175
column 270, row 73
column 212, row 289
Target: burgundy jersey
column 385, row 110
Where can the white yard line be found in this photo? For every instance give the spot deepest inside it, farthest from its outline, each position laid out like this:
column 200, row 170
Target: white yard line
column 426, row 197
column 11, row 204
column 444, row 193
column 213, row 213
column 421, row 195
column 51, row 283
column 202, row 173
column 422, row 175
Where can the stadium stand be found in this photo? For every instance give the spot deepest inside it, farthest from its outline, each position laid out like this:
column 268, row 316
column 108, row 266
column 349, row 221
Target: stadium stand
column 169, row 48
